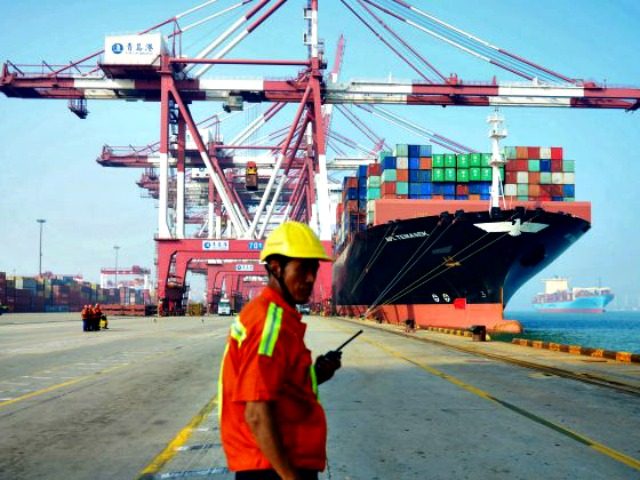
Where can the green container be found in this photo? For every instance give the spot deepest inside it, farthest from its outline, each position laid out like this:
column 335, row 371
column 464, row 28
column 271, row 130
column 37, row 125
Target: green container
column 402, row 150
column 523, row 190
column 437, row 175
column 475, row 174
column 569, row 199
column 523, row 197
column 450, row 160
column 463, row 160
column 437, row 160
column 510, row 152
column 373, row 181
column 485, row 174
column 545, row 178
column 402, row 188
column 383, row 154
column 534, row 165
column 389, row 175
column 569, row 166
column 486, row 158
column 449, row 174
column 462, row 175
column 373, row 193
column 475, row 160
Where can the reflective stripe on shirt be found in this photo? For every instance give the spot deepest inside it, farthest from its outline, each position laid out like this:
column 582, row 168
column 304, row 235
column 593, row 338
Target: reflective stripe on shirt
column 271, row 330
column 238, row 331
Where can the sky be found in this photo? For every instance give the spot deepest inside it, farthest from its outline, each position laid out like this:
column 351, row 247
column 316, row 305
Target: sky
column 47, row 159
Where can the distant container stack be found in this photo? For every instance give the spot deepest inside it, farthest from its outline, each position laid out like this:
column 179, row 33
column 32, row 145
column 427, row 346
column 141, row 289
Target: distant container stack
column 62, row 294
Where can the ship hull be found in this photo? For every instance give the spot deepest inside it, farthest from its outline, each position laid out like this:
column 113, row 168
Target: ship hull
column 449, row 270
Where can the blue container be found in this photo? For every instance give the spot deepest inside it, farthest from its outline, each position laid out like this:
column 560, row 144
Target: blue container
column 414, row 189
column 352, row 193
column 414, row 163
column 545, row 165
column 426, row 188
column 425, row 150
column 413, row 175
column 557, row 199
column 569, row 190
column 485, row 188
column 436, row 188
column 462, row 197
column 389, row 162
column 414, row 150
column 485, row 196
column 449, row 197
column 449, row 189
column 362, row 171
column 362, row 203
column 414, row 196
column 424, row 196
column 362, row 189
column 424, row 176
column 475, row 188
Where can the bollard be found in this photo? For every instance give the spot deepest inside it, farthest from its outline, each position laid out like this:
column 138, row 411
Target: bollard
column 478, row 333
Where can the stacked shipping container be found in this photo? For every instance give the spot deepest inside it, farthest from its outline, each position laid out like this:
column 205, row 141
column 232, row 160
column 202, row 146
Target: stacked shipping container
column 539, row 173
column 415, row 172
column 62, row 294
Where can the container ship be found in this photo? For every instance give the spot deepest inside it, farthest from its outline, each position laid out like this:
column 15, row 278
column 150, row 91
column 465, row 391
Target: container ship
column 442, row 240
column 559, row 298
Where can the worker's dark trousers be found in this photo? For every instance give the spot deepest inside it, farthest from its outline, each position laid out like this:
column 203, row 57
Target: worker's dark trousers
column 85, row 325
column 272, row 475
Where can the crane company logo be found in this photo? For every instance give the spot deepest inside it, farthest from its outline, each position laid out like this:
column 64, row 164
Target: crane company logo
column 244, row 267
column 217, row 245
column 117, row 48
column 406, row 236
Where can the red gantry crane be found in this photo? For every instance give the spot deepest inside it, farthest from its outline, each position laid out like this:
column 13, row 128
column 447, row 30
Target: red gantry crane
column 150, row 66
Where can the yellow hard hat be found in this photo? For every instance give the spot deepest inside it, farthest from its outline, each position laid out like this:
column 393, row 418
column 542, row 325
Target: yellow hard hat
column 294, row 240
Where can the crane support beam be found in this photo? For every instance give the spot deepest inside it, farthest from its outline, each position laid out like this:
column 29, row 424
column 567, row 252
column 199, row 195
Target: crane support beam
column 454, row 92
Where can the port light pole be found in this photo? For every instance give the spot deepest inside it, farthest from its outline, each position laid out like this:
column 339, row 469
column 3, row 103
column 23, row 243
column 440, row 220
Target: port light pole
column 116, row 248
column 41, row 221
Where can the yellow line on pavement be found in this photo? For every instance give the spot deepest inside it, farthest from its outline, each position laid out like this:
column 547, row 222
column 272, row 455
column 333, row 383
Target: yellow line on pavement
column 599, row 447
column 172, row 447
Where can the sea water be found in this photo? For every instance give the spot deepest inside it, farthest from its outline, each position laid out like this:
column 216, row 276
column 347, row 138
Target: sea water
column 617, row 331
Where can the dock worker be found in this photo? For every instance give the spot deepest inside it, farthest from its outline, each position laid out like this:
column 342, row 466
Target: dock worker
column 85, row 315
column 272, row 424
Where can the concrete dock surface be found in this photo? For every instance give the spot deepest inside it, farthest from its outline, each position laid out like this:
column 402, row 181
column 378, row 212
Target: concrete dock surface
column 138, row 401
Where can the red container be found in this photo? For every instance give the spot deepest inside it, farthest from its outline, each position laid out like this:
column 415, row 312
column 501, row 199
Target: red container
column 388, row 187
column 511, row 166
column 534, row 178
column 522, row 165
column 556, row 153
column 351, row 207
column 556, row 190
column 534, row 190
column 522, row 152
column 545, row 191
column 556, row 165
column 352, row 182
column 425, row 163
column 462, row 189
column 544, row 198
column 511, row 177
column 402, row 175
column 374, row 169
column 533, row 152
column 387, row 196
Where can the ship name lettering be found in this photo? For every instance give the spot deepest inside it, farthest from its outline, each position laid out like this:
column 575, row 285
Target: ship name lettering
column 406, row 236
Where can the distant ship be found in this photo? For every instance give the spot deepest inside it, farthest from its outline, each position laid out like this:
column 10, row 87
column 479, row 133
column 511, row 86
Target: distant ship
column 559, row 298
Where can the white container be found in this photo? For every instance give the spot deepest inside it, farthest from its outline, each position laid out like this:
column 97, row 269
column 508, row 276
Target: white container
column 522, row 177
column 545, row 153
column 402, row 163
column 510, row 189
column 569, row 178
column 134, row 49
column 557, row 178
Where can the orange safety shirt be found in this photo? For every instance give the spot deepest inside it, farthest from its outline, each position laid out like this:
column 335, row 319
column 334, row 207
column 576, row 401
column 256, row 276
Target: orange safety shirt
column 266, row 360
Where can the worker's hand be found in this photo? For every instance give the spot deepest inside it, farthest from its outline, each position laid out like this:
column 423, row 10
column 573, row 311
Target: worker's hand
column 326, row 365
